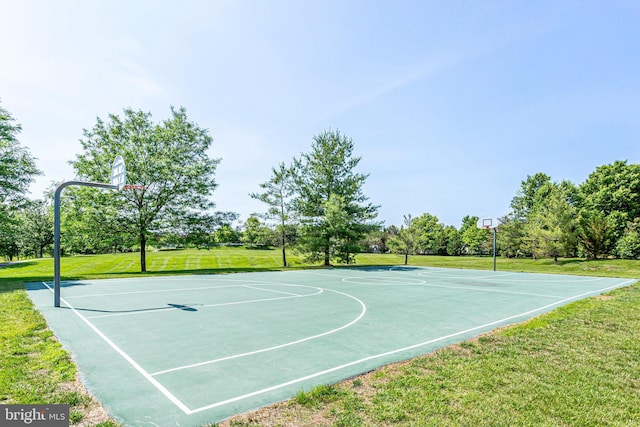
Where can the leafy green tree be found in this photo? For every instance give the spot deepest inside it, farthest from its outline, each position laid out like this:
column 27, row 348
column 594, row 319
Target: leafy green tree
column 329, row 170
column 170, row 159
column 429, row 234
column 614, row 188
column 473, row 238
column 278, row 193
column 90, row 223
column 17, row 165
column 198, row 230
column 511, row 235
column 17, row 170
column 404, row 242
column 37, row 224
column 628, row 246
column 256, row 233
column 376, row 240
column 10, row 230
column 226, row 234
column 596, row 232
column 532, row 190
column 453, row 240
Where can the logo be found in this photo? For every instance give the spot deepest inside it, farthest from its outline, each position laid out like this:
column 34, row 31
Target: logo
column 34, row 415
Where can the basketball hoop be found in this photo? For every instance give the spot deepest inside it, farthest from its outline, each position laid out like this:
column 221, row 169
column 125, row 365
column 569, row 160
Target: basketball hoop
column 118, row 173
column 488, row 222
column 133, row 187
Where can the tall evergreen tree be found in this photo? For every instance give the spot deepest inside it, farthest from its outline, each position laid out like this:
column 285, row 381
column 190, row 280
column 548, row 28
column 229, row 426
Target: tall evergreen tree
column 325, row 177
column 550, row 227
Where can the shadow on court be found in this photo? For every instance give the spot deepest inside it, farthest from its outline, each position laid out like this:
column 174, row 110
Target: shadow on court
column 168, row 306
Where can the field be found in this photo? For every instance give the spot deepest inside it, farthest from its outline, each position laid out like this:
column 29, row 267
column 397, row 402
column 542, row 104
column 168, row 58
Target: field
column 575, row 366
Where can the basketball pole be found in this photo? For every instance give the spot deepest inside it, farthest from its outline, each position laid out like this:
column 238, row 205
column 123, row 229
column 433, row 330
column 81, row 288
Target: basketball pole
column 494, row 247
column 56, row 231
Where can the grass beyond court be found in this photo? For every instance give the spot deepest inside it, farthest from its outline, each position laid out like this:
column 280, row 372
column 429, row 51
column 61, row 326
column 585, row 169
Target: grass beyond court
column 575, row 366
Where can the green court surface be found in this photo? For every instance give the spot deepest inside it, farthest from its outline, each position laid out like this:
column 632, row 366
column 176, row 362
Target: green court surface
column 193, row 350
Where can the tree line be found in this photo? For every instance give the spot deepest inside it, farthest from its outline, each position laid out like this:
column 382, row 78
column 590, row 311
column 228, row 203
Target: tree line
column 314, row 204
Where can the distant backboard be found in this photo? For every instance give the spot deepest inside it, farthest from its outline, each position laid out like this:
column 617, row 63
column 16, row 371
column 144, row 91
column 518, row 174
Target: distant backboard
column 488, row 222
column 118, row 173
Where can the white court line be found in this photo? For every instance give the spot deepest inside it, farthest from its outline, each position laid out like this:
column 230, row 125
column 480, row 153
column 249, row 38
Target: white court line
column 430, row 285
column 428, row 272
column 270, row 290
column 212, row 288
column 153, row 291
column 129, row 359
column 236, row 356
column 446, row 273
column 499, row 291
column 377, row 356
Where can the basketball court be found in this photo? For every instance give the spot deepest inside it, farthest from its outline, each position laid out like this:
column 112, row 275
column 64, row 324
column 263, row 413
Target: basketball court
column 192, row 350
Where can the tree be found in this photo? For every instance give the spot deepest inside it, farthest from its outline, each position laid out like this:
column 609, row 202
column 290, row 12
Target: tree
column 405, row 240
column 278, row 196
column 596, row 232
column 17, row 170
column 91, row 223
column 511, row 235
column 614, row 188
column 17, row 165
column 37, row 220
column 327, row 171
column 10, row 230
column 256, row 233
column 429, row 233
column 550, row 226
column 628, row 246
column 226, row 234
column 169, row 159
column 529, row 194
column 453, row 240
column 473, row 238
column 343, row 234
column 199, row 229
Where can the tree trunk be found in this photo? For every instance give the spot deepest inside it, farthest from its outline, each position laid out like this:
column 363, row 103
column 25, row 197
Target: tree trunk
column 406, row 258
column 143, row 252
column 327, row 257
column 284, row 252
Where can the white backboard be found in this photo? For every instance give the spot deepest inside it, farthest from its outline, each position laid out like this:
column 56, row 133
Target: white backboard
column 119, row 173
column 488, row 222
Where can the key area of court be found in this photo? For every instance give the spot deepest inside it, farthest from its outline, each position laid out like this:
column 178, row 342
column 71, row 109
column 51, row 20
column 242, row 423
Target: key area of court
column 192, row 350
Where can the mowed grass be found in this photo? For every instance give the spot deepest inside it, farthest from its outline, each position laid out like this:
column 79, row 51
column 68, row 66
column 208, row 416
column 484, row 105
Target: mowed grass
column 578, row 365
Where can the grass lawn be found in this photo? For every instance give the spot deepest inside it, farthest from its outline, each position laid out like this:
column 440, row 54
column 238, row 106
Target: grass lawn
column 577, row 365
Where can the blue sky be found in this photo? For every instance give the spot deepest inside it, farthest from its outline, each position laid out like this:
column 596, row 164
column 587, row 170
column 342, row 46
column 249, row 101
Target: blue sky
column 451, row 104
